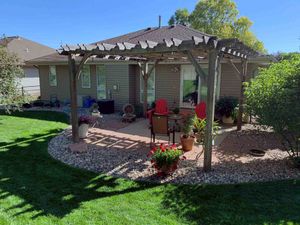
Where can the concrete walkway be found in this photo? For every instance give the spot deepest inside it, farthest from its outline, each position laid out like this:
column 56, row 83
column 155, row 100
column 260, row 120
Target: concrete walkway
column 140, row 128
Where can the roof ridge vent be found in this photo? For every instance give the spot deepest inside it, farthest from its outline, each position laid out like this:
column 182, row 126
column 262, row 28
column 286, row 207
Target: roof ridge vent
column 172, row 26
column 148, row 28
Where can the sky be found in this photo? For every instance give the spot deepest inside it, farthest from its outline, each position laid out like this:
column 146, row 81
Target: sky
column 56, row 22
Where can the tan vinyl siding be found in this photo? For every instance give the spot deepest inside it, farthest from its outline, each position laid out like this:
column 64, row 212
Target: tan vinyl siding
column 167, row 84
column 117, row 74
column 230, row 84
column 61, row 90
column 133, row 74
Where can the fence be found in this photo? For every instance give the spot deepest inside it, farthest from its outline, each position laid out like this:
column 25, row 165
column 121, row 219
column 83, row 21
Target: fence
column 31, row 90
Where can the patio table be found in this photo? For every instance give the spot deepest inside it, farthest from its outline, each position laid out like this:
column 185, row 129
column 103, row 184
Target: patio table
column 176, row 118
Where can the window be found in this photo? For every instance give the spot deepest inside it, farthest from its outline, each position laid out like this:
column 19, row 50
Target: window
column 52, row 76
column 101, row 82
column 86, row 77
column 151, row 87
column 193, row 89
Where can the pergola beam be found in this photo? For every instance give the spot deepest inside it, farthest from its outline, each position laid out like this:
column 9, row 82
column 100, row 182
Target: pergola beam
column 197, row 66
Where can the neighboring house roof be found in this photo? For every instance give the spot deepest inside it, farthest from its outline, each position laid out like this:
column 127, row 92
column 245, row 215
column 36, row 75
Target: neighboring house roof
column 25, row 49
column 155, row 34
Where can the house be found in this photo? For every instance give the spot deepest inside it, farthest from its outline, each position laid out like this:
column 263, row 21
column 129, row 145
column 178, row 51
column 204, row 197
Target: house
column 26, row 50
column 176, row 81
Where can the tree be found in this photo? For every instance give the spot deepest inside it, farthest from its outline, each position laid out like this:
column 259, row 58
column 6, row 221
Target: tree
column 10, row 72
column 181, row 16
column 274, row 97
column 220, row 18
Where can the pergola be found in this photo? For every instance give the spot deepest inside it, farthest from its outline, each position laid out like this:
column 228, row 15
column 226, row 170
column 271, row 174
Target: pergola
column 194, row 50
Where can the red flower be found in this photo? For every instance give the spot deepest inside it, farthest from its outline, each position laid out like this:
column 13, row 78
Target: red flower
column 160, row 174
column 183, row 157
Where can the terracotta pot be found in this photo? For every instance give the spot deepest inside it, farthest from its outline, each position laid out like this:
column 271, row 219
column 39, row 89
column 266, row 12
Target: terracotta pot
column 227, row 120
column 168, row 169
column 187, row 143
column 83, row 130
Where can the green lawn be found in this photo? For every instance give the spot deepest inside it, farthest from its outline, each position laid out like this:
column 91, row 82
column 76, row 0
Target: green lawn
column 36, row 189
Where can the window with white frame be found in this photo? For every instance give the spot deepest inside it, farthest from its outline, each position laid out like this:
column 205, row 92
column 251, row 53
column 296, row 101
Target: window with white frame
column 86, row 77
column 151, row 87
column 52, row 76
column 101, row 82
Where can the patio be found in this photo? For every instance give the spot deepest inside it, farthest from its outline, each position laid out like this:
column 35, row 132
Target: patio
column 121, row 151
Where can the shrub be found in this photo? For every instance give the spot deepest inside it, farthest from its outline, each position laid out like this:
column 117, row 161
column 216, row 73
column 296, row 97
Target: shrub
column 226, row 105
column 274, row 97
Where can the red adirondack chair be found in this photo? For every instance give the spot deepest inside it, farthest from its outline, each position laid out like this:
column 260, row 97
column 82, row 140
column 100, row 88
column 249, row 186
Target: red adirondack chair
column 161, row 108
column 201, row 110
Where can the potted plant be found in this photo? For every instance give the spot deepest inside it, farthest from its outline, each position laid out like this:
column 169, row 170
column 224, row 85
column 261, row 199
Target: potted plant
column 225, row 108
column 84, row 123
column 199, row 129
column 165, row 158
column 95, row 109
column 176, row 110
column 187, row 139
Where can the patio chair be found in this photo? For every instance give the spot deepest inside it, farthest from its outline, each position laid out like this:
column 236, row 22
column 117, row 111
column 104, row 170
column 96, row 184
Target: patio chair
column 201, row 110
column 160, row 126
column 161, row 108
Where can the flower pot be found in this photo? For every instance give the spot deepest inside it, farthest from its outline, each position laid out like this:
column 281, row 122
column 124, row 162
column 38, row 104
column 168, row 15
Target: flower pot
column 227, row 120
column 83, row 130
column 187, row 143
column 168, row 169
column 246, row 118
column 199, row 137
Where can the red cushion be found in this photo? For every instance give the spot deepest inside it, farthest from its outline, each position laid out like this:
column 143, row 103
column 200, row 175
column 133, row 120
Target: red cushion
column 201, row 110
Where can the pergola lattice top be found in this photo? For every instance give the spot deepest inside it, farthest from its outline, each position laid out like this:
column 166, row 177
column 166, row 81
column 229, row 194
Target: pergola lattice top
column 165, row 49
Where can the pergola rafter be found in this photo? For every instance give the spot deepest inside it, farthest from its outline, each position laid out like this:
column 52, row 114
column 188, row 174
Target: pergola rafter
column 146, row 51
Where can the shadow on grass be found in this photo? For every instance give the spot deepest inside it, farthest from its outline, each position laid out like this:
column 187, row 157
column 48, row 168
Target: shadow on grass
column 47, row 186
column 257, row 203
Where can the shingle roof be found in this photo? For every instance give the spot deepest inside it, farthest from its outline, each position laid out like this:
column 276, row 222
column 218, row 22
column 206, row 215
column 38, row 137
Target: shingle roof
column 25, row 49
column 157, row 34
column 5, row 40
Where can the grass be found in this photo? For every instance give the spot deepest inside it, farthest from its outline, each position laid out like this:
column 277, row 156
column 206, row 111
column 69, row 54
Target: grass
column 36, row 189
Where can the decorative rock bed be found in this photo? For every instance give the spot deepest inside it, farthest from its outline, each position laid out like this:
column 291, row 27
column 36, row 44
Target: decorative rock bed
column 232, row 162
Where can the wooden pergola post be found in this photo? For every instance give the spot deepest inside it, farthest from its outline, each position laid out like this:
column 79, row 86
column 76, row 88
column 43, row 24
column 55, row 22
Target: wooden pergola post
column 74, row 76
column 213, row 61
column 241, row 99
column 73, row 96
column 146, row 73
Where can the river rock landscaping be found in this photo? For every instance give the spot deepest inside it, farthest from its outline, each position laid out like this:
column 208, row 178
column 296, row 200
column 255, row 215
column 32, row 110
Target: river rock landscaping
column 124, row 155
